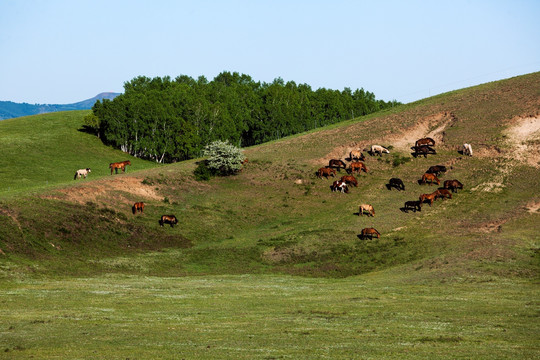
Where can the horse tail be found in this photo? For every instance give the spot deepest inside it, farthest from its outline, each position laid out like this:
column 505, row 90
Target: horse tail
column 133, row 209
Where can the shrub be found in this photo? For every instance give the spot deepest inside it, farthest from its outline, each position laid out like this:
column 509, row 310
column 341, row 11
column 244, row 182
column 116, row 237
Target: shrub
column 223, row 158
column 202, row 172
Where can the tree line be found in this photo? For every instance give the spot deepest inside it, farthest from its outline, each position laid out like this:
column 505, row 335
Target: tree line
column 170, row 120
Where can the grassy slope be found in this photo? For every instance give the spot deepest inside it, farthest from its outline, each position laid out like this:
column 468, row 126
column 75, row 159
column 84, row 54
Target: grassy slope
column 436, row 284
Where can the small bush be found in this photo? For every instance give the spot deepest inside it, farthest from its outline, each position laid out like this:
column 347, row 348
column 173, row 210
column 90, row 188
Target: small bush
column 203, row 172
column 223, row 158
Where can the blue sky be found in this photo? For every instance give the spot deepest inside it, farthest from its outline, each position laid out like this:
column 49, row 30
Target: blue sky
column 64, row 51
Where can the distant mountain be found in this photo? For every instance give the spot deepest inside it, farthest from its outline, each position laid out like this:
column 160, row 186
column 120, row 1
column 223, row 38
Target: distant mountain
column 9, row 109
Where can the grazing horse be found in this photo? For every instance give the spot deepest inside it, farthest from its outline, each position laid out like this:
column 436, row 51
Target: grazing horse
column 369, row 232
column 436, row 169
column 431, row 178
column 443, row 194
column 428, row 197
column 423, row 150
column 467, row 149
column 340, row 186
column 453, row 185
column 358, row 166
column 119, row 165
column 413, row 205
column 367, row 208
column 138, row 206
column 168, row 219
column 425, row 141
column 325, row 172
column 337, row 164
column 81, row 172
column 350, row 180
column 357, row 155
column 397, row 183
column 378, row 149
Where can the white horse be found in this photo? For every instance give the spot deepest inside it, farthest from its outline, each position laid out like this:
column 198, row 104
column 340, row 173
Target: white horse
column 467, row 149
column 379, row 150
column 81, row 172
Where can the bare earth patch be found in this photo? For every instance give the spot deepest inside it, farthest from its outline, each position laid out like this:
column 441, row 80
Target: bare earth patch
column 523, row 136
column 100, row 188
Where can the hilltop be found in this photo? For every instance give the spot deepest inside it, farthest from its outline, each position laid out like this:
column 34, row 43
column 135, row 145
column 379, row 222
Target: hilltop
column 10, row 109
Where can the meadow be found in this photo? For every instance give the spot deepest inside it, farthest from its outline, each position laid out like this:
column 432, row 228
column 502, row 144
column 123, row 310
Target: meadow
column 268, row 263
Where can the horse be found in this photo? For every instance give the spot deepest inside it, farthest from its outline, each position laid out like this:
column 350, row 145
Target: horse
column 168, row 219
column 397, row 183
column 366, row 207
column 431, row 178
column 138, row 206
column 413, row 205
column 81, row 172
column 423, row 150
column 378, row 149
column 358, row 166
column 429, row 197
column 357, row 155
column 424, row 141
column 340, row 186
column 453, row 185
column 325, row 172
column 436, row 169
column 119, row 165
column 467, row 149
column 369, row 232
column 443, row 194
column 337, row 164
column 350, row 180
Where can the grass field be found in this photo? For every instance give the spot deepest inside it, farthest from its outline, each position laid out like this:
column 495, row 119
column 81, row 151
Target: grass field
column 268, row 263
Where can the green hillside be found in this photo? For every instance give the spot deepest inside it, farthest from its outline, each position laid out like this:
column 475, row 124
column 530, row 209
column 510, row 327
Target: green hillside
column 457, row 279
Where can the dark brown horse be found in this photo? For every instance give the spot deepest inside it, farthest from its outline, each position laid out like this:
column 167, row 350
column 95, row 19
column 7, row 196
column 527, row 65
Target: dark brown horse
column 119, row 165
column 413, row 205
column 453, row 185
column 358, row 166
column 326, row 172
column 138, row 206
column 436, row 169
column 431, row 178
column 423, row 150
column 369, row 232
column 425, row 141
column 334, row 163
column 396, row 183
column 350, row 180
column 168, row 219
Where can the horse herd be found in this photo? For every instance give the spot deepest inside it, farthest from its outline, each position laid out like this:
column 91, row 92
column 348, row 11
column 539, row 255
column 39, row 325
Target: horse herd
column 138, row 206
column 424, row 146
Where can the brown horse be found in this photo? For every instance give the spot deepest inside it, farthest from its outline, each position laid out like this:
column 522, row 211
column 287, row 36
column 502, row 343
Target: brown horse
column 423, row 150
column 431, row 178
column 369, row 232
column 358, row 166
column 443, row 194
column 119, row 165
column 350, row 180
column 357, row 155
column 326, row 172
column 366, row 208
column 453, row 185
column 428, row 197
column 138, row 206
column 425, row 141
column 397, row 183
column 168, row 219
column 334, row 163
